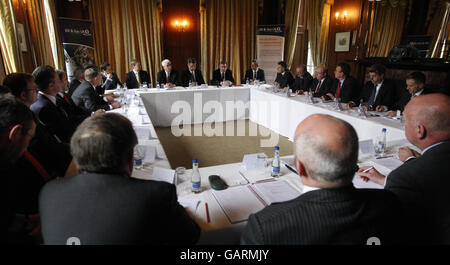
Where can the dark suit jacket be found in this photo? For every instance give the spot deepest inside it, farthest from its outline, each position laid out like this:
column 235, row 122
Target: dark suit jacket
column 285, row 80
column 86, row 98
column 325, row 87
column 385, row 97
column 73, row 85
column 260, row 76
column 173, row 77
column 109, row 209
column 186, row 76
column 349, row 90
column 304, row 83
column 422, row 184
column 54, row 118
column 109, row 84
column 76, row 114
column 132, row 82
column 329, row 216
column 406, row 97
column 217, row 77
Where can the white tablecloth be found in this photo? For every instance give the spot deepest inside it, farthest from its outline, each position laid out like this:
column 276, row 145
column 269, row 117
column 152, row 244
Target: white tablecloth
column 163, row 105
column 281, row 114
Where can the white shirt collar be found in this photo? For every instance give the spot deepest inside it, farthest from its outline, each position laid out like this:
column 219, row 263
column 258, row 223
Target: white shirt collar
column 51, row 98
column 419, row 93
column 61, row 94
column 430, row 147
column 135, row 72
column 307, row 188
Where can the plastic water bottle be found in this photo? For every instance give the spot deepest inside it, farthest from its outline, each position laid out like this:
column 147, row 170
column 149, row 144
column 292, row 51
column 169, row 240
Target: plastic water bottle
column 247, row 82
column 380, row 145
column 276, row 163
column 158, row 86
column 361, row 111
column 196, row 179
column 190, row 83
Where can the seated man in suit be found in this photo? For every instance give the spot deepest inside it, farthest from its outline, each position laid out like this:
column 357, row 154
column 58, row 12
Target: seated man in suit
column 109, row 78
column 223, row 74
column 303, row 80
column 331, row 210
column 284, row 77
column 105, row 205
column 422, row 182
column 78, row 77
column 254, row 73
column 167, row 77
column 378, row 93
column 415, row 84
column 344, row 87
column 321, row 85
column 46, row 109
column 45, row 147
column 192, row 74
column 17, row 127
column 137, row 76
column 87, row 98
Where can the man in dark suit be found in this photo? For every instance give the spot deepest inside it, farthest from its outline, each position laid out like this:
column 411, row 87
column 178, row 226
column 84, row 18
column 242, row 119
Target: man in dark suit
column 105, row 205
column 46, row 109
column 137, row 76
column 87, row 98
column 284, row 76
column 254, row 73
column 109, row 78
column 331, row 210
column 223, row 74
column 415, row 85
column 422, row 182
column 322, row 84
column 167, row 77
column 192, row 74
column 378, row 93
column 78, row 77
column 303, row 80
column 344, row 87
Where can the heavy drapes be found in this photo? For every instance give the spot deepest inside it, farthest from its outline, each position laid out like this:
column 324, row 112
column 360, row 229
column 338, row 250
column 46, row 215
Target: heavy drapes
column 227, row 33
column 127, row 30
column 292, row 16
column 318, row 24
column 9, row 43
column 439, row 15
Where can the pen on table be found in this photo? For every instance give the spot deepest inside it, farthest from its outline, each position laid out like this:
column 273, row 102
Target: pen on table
column 208, row 219
column 383, row 157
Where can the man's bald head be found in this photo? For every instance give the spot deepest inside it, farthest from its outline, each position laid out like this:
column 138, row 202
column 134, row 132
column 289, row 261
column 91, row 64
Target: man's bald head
column 328, row 149
column 428, row 120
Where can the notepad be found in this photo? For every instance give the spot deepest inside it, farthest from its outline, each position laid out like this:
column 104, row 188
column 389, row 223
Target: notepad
column 238, row 203
column 157, row 174
column 189, row 204
column 390, row 163
column 254, row 161
column 360, row 184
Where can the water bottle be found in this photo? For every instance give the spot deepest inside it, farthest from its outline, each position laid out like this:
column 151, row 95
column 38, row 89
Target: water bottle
column 276, row 163
column 190, row 83
column 361, row 111
column 195, row 179
column 125, row 88
column 380, row 145
column 158, row 86
column 247, row 82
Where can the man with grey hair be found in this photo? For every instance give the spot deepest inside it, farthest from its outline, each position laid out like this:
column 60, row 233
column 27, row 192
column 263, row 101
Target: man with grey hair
column 254, row 73
column 86, row 97
column 168, row 77
column 422, row 182
column 104, row 205
column 223, row 75
column 331, row 210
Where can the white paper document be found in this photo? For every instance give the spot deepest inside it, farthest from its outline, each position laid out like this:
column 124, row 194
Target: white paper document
column 366, row 147
column 276, row 191
column 157, row 174
column 360, row 184
column 390, row 163
column 189, row 204
column 254, row 161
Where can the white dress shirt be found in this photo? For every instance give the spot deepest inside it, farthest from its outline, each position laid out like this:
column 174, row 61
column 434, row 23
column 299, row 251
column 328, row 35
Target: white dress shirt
column 50, row 97
column 307, row 189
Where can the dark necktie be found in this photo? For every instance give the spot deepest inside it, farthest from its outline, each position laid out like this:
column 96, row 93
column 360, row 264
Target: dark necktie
column 223, row 76
column 193, row 76
column 338, row 91
column 372, row 96
column 318, row 87
column 254, row 75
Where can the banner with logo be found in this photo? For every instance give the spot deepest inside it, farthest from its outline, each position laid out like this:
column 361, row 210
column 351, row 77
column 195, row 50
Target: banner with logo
column 78, row 43
column 270, row 49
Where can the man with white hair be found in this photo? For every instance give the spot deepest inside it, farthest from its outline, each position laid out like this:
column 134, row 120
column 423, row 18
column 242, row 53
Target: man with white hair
column 422, row 182
column 331, row 210
column 168, row 76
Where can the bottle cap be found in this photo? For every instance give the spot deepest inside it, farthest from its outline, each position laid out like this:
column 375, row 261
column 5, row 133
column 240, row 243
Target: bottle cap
column 277, row 148
column 384, row 130
column 195, row 161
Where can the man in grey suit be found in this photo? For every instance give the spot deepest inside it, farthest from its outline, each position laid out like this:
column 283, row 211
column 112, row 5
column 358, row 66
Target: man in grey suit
column 331, row 210
column 422, row 182
column 104, row 205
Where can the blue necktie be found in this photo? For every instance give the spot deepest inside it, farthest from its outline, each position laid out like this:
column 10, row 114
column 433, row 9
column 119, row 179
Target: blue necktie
column 372, row 96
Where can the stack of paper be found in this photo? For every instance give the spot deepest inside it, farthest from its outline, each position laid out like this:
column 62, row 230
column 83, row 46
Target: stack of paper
column 157, row 174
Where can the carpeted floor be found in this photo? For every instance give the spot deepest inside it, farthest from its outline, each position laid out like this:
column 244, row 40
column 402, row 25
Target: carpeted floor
column 216, row 150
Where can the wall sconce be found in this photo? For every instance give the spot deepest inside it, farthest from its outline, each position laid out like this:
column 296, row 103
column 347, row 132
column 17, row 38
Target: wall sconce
column 341, row 19
column 181, row 26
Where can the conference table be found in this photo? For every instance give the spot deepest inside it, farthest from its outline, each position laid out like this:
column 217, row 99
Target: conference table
column 219, row 229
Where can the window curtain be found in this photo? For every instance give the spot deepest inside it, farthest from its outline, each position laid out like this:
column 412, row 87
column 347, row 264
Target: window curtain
column 439, row 20
column 291, row 18
column 228, row 33
column 9, row 42
column 388, row 14
column 54, row 34
column 318, row 25
column 127, row 30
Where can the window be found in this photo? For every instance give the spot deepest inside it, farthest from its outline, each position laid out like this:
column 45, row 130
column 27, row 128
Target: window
column 310, row 64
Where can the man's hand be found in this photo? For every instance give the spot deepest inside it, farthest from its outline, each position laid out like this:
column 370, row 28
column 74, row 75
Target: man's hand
column 110, row 76
column 372, row 175
column 277, row 85
column 100, row 111
column 380, row 108
column 330, row 95
column 110, row 99
column 391, row 113
column 405, row 152
column 116, row 105
column 351, row 104
column 300, row 92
